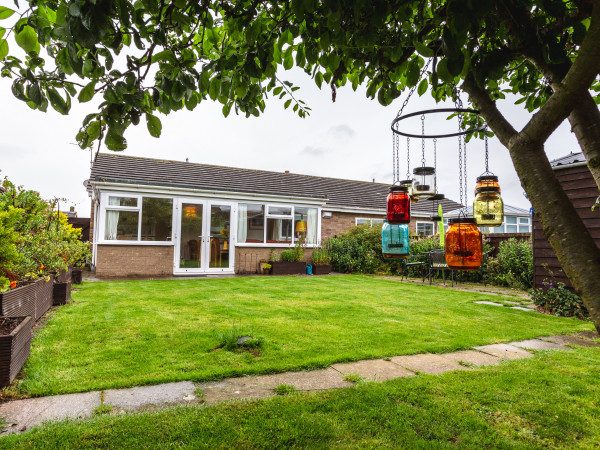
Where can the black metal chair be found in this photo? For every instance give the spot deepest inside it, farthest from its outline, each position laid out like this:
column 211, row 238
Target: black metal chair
column 437, row 262
column 415, row 261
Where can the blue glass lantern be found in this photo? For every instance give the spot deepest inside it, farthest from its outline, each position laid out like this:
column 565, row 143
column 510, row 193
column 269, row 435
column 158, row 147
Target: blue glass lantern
column 394, row 240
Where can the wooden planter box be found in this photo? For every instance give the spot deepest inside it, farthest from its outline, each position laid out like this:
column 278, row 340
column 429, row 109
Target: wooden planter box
column 61, row 294
column 63, row 276
column 321, row 269
column 76, row 275
column 33, row 300
column 14, row 350
column 287, row 268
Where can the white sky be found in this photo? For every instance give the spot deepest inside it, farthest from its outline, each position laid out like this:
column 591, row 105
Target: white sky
column 350, row 138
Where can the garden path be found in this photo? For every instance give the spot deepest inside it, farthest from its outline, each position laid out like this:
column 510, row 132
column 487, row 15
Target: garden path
column 21, row 415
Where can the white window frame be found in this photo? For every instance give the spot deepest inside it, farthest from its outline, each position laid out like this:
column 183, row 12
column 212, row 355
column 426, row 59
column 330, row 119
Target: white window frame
column 281, row 216
column 425, row 223
column 369, row 221
column 104, row 206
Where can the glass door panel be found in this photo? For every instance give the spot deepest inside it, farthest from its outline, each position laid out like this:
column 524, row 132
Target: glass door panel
column 220, row 230
column 190, row 242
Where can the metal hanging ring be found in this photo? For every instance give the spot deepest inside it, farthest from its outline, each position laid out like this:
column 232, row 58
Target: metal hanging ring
column 433, row 111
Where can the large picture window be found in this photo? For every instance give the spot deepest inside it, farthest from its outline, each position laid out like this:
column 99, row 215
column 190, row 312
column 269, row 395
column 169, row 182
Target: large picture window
column 273, row 224
column 425, row 228
column 131, row 218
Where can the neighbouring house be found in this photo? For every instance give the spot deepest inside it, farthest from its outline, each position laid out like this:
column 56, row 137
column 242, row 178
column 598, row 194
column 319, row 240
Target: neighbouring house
column 516, row 220
column 155, row 217
column 579, row 185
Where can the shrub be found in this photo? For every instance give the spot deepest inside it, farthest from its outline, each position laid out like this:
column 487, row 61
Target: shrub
column 560, row 301
column 357, row 250
column 513, row 266
column 289, row 255
column 320, row 255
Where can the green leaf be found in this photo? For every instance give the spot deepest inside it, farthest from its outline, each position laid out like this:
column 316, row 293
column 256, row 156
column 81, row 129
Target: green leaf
column 114, row 139
column 215, row 88
column 412, row 73
column 5, row 12
column 87, row 93
column 154, row 125
column 287, row 103
column 57, row 102
column 35, row 94
column 93, row 130
column 27, row 40
column 319, row 79
column 442, row 71
column 3, row 48
column 422, row 87
column 423, row 49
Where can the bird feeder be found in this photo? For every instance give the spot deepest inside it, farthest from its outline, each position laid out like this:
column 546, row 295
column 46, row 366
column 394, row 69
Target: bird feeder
column 488, row 207
column 424, row 182
column 395, row 240
column 398, row 206
column 463, row 243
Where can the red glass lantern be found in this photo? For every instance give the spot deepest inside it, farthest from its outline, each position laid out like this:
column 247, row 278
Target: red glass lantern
column 463, row 244
column 398, row 205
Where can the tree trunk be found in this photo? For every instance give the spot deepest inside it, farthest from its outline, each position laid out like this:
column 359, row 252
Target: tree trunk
column 564, row 229
column 585, row 123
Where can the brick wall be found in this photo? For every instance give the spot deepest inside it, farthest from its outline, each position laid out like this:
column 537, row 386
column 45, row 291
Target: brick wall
column 247, row 258
column 134, row 261
column 340, row 222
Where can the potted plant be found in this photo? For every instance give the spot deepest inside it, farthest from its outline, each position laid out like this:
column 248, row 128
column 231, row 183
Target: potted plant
column 291, row 261
column 321, row 261
column 265, row 267
column 15, row 344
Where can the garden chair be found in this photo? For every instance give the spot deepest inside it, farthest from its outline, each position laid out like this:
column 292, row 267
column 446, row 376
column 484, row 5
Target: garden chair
column 415, row 261
column 436, row 262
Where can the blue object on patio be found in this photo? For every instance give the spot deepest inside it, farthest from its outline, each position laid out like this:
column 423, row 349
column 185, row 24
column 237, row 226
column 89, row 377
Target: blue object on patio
column 309, row 269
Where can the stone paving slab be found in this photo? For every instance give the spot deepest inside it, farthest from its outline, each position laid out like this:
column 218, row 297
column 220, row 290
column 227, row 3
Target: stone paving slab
column 588, row 335
column 537, row 344
column 485, row 302
column 522, row 308
column 504, row 351
column 21, row 415
column 428, row 363
column 472, row 357
column 143, row 396
column 571, row 340
column 373, row 370
column 262, row 386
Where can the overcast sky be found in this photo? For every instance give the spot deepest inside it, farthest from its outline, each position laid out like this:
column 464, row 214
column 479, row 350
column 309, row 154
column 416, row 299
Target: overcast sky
column 350, row 138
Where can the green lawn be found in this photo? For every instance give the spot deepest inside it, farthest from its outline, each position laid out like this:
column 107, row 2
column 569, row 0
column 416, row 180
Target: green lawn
column 125, row 333
column 548, row 401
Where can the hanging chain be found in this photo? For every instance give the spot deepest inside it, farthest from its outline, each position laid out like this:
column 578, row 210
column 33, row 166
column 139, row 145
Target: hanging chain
column 423, row 140
column 393, row 158
column 486, row 151
column 397, row 158
column 435, row 154
column 414, row 88
column 407, row 158
column 465, row 170
column 460, row 162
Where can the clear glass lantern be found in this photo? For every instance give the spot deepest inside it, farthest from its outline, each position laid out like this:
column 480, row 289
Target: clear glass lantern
column 463, row 242
column 488, row 207
column 408, row 184
column 394, row 240
column 487, row 181
column 423, row 182
column 398, row 206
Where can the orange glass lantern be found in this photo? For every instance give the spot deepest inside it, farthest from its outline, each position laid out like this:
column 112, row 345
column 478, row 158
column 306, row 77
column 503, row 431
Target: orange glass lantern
column 398, row 205
column 487, row 181
column 463, row 242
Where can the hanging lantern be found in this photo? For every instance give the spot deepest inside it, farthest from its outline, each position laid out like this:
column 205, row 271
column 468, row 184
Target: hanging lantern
column 301, row 227
column 398, row 205
column 424, row 182
column 463, row 244
column 488, row 207
column 408, row 184
column 487, row 181
column 394, row 240
column 435, row 201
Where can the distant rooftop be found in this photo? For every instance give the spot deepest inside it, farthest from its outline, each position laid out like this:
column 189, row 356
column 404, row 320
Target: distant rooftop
column 570, row 159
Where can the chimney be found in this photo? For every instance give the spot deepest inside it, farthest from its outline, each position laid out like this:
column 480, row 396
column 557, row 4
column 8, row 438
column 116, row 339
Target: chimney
column 287, row 171
column 72, row 209
column 187, row 159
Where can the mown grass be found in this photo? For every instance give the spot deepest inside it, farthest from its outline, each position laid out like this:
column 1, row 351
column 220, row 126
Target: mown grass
column 126, row 333
column 548, row 401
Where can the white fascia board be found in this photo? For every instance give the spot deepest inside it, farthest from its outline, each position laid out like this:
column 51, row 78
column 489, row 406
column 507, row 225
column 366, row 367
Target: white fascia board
column 342, row 209
column 569, row 166
column 204, row 193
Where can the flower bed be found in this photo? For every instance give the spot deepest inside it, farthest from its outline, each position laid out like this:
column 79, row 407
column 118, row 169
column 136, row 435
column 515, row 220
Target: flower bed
column 32, row 299
column 287, row 267
column 321, row 269
column 15, row 345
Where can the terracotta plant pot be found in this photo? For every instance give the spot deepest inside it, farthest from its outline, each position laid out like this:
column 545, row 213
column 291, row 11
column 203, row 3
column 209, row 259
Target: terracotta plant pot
column 14, row 349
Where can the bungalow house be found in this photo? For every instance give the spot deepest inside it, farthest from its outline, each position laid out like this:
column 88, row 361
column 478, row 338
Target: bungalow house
column 516, row 220
column 155, row 217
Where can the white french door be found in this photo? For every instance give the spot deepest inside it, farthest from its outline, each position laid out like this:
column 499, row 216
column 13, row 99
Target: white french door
column 203, row 241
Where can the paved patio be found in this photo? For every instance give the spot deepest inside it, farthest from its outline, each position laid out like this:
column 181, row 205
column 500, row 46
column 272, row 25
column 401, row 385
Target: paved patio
column 21, row 415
